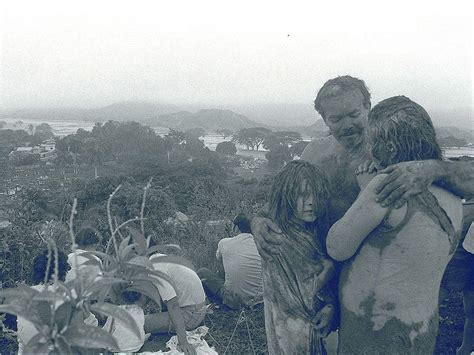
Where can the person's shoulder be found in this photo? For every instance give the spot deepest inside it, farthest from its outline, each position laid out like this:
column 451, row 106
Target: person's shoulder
column 224, row 242
column 320, row 149
column 244, row 235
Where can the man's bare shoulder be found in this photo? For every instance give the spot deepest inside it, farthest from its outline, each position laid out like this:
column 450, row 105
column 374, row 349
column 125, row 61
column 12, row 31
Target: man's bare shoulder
column 321, row 149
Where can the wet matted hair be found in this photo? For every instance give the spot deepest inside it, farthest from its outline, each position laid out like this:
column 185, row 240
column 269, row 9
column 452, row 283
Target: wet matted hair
column 286, row 189
column 400, row 130
column 339, row 85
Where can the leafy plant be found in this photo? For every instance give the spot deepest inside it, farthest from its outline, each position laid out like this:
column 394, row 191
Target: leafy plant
column 58, row 311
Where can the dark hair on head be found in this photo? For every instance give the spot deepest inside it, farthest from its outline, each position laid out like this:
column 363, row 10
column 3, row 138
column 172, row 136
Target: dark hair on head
column 339, row 85
column 40, row 266
column 87, row 236
column 401, row 130
column 130, row 297
column 286, row 189
column 242, row 221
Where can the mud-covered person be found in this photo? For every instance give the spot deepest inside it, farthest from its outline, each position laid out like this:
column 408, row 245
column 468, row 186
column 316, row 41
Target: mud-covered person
column 344, row 104
column 395, row 258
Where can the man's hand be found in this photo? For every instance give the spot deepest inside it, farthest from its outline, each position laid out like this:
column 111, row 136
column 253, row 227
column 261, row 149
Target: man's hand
column 266, row 236
column 186, row 348
column 405, row 180
column 322, row 321
column 367, row 166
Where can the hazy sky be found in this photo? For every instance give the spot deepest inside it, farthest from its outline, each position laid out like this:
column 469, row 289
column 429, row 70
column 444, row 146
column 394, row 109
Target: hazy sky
column 94, row 53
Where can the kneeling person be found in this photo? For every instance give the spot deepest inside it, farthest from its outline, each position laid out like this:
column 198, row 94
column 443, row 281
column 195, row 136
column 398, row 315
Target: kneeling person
column 184, row 298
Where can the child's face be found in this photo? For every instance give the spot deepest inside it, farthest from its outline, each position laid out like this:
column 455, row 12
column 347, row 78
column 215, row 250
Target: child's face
column 305, row 204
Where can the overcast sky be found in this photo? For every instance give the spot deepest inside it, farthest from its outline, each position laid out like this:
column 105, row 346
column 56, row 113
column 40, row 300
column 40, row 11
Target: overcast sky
column 94, row 53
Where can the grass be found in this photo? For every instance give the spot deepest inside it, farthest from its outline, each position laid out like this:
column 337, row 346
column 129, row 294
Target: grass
column 230, row 331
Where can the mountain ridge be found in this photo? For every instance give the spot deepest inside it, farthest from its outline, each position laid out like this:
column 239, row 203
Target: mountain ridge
column 183, row 117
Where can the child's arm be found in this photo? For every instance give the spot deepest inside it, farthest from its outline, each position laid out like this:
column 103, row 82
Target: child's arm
column 347, row 234
column 177, row 319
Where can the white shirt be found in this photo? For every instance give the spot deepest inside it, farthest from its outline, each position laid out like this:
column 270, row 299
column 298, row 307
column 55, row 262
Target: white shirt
column 242, row 265
column 71, row 260
column 187, row 285
column 126, row 339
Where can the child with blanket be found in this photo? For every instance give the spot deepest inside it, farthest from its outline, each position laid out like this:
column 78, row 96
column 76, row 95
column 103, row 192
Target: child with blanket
column 299, row 309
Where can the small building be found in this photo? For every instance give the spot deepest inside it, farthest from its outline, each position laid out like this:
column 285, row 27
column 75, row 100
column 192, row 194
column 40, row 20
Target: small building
column 45, row 152
column 48, row 145
column 48, row 155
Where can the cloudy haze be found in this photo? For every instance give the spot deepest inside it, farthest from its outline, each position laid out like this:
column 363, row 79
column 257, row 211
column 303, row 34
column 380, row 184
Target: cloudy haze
column 93, row 54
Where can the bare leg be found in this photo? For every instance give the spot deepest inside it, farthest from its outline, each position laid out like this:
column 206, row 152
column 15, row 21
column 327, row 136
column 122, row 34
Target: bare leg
column 157, row 323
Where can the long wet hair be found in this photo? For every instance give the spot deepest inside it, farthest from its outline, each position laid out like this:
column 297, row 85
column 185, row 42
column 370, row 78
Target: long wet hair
column 286, row 189
column 401, row 130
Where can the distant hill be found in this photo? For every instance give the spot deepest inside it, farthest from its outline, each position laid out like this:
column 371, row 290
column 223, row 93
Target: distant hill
column 283, row 115
column 301, row 118
column 130, row 111
column 317, row 129
column 120, row 111
column 461, row 118
column 208, row 119
column 466, row 134
column 46, row 114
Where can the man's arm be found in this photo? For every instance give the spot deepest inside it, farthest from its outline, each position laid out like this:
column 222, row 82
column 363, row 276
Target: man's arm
column 218, row 251
column 266, row 236
column 407, row 179
column 177, row 319
column 347, row 234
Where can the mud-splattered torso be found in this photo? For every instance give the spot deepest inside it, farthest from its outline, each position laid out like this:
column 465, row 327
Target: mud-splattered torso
column 340, row 165
column 389, row 289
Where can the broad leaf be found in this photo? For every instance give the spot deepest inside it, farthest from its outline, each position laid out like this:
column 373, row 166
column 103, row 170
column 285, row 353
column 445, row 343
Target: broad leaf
column 142, row 261
column 43, row 308
column 37, row 345
column 160, row 247
column 62, row 315
column 101, row 255
column 125, row 252
column 92, row 263
column 111, row 310
column 62, row 286
column 89, row 337
column 22, row 309
column 88, row 275
column 104, row 283
column 139, row 239
column 49, row 296
column 123, row 245
column 146, row 288
column 60, row 344
column 18, row 292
